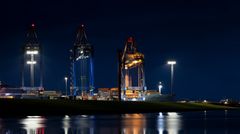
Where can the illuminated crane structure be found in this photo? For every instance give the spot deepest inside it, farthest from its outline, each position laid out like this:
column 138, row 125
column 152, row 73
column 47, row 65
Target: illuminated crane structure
column 132, row 73
column 32, row 62
column 82, row 80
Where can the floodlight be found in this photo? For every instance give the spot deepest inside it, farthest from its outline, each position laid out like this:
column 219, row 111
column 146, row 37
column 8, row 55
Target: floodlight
column 33, row 52
column 31, row 62
column 171, row 62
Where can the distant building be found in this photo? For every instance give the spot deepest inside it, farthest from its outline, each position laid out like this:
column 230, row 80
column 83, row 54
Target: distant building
column 107, row 94
column 153, row 95
column 10, row 92
column 51, row 94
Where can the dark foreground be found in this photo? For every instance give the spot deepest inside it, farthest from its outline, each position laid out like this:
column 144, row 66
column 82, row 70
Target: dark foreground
column 14, row 107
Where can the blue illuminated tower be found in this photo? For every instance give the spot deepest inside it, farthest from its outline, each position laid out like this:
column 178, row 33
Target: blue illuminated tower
column 82, row 79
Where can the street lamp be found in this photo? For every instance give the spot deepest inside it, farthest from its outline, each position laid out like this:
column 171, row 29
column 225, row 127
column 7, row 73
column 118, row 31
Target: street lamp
column 171, row 63
column 66, row 78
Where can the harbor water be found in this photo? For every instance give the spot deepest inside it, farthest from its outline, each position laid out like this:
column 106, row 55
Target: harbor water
column 202, row 122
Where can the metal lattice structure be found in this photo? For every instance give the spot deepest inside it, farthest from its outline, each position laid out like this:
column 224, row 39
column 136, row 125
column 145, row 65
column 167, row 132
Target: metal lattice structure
column 132, row 72
column 32, row 71
column 82, row 79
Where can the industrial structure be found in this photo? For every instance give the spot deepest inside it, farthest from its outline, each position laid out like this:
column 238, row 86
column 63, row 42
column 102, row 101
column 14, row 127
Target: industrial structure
column 132, row 72
column 32, row 65
column 81, row 79
column 9, row 92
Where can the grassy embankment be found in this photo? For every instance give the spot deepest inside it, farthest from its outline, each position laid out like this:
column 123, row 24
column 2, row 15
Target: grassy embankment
column 70, row 107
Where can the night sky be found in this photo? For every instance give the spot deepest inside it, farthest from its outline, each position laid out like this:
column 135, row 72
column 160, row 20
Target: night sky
column 202, row 36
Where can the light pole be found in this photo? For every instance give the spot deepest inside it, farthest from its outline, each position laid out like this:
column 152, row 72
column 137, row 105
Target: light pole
column 171, row 63
column 66, row 78
column 32, row 62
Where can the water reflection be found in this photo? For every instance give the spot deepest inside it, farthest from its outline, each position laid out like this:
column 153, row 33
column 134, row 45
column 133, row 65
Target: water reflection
column 225, row 121
column 160, row 123
column 34, row 124
column 83, row 124
column 221, row 122
column 66, row 124
column 170, row 123
column 138, row 123
column 133, row 124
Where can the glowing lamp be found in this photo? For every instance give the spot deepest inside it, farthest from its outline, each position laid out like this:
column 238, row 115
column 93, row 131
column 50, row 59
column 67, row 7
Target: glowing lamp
column 171, row 62
column 32, row 52
column 31, row 62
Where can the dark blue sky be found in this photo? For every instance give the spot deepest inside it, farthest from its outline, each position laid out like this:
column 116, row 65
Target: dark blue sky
column 202, row 36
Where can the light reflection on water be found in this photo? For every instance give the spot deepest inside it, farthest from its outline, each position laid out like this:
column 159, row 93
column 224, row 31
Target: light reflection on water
column 170, row 123
column 204, row 122
column 66, row 124
column 133, row 124
column 33, row 124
